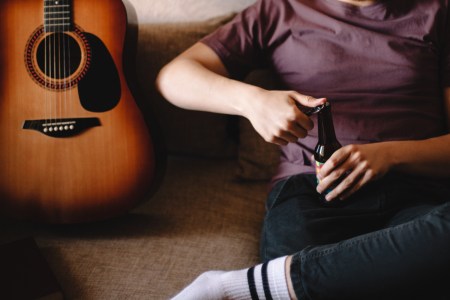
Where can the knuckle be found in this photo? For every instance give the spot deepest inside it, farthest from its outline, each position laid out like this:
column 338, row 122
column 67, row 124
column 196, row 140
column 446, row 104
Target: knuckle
column 371, row 173
column 339, row 173
column 290, row 126
column 279, row 132
column 364, row 165
column 302, row 134
column 309, row 98
column 352, row 148
column 346, row 183
column 270, row 139
column 332, row 162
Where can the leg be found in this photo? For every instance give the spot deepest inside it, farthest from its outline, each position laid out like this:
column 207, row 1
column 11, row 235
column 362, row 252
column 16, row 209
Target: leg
column 406, row 261
column 297, row 218
column 264, row 281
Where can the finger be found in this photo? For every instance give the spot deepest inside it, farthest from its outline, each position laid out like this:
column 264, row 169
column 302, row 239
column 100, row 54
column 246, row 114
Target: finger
column 304, row 121
column 297, row 130
column 306, row 100
column 366, row 178
column 279, row 141
column 334, row 177
column 337, row 158
column 289, row 137
column 347, row 184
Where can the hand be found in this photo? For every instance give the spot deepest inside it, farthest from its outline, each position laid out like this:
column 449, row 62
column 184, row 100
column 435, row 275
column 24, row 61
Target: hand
column 351, row 167
column 276, row 117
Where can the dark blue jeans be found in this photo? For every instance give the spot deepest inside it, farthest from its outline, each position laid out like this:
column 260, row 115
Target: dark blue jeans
column 391, row 240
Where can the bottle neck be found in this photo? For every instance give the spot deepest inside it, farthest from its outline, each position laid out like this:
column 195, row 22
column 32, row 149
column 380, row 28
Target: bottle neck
column 327, row 134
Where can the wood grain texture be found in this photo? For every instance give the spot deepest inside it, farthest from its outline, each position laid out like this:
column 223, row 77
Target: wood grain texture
column 100, row 173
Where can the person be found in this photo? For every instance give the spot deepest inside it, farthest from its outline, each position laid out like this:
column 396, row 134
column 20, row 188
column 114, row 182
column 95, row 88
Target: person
column 383, row 232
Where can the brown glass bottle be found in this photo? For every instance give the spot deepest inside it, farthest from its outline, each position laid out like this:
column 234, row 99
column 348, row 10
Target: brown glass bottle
column 328, row 142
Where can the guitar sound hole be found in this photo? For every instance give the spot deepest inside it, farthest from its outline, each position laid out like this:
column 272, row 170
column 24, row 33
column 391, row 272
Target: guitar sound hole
column 58, row 55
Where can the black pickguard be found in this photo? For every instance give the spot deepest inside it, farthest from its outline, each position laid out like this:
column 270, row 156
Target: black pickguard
column 99, row 90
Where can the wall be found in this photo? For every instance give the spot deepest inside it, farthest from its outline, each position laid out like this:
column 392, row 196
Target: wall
column 166, row 11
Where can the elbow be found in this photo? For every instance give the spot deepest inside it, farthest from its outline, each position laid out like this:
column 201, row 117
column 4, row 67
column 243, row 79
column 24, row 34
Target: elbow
column 162, row 82
column 169, row 83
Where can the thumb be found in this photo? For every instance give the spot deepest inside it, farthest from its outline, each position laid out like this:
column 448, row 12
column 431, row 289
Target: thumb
column 306, row 100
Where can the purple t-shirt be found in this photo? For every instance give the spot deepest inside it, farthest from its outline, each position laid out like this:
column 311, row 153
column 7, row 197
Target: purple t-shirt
column 383, row 67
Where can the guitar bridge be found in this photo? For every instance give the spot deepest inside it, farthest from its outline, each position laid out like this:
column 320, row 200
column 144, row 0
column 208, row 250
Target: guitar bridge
column 61, row 128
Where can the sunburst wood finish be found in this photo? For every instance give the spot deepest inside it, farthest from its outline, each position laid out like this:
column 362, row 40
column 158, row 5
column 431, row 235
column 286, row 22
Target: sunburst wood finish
column 99, row 173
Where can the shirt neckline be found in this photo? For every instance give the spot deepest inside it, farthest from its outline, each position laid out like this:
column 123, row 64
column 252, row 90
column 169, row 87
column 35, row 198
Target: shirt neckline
column 377, row 10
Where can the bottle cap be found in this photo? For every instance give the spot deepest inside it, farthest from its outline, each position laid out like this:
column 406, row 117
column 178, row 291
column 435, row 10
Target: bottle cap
column 316, row 109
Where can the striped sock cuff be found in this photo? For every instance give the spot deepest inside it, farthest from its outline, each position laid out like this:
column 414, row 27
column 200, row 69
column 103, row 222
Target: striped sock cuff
column 268, row 281
column 277, row 278
column 252, row 284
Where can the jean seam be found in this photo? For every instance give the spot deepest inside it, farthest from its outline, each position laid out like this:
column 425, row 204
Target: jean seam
column 276, row 196
column 268, row 209
column 301, row 292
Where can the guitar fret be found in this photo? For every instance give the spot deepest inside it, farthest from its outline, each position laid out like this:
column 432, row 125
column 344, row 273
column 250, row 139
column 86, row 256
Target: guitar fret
column 56, row 12
column 57, row 24
column 50, row 19
column 57, row 15
column 53, row 6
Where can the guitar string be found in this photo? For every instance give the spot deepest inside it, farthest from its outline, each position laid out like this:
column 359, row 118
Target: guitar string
column 69, row 88
column 45, row 69
column 58, row 78
column 69, row 67
column 55, row 94
column 51, row 72
column 66, row 75
column 61, row 73
column 46, row 66
column 58, row 102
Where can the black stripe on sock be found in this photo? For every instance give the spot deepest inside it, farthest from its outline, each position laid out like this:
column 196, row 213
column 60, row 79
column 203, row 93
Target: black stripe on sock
column 266, row 282
column 251, row 283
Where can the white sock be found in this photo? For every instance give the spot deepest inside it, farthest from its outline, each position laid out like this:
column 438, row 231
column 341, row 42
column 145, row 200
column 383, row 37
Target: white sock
column 264, row 281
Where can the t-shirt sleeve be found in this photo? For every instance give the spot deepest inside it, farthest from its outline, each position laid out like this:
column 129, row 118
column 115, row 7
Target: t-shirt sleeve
column 239, row 43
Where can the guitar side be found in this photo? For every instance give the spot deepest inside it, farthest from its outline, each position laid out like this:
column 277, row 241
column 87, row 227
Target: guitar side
column 100, row 172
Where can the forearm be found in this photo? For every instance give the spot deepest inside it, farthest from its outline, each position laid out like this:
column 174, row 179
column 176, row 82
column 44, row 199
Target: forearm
column 198, row 80
column 190, row 84
column 429, row 157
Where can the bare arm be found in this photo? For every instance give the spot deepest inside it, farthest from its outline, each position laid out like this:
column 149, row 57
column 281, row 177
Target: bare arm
column 364, row 163
column 428, row 157
column 198, row 80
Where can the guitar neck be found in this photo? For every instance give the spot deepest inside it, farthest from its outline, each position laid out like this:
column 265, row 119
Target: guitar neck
column 58, row 15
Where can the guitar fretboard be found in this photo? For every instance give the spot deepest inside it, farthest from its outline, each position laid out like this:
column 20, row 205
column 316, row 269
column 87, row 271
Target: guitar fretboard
column 57, row 15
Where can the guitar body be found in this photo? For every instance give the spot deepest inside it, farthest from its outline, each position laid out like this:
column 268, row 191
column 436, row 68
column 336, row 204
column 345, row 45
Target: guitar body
column 74, row 145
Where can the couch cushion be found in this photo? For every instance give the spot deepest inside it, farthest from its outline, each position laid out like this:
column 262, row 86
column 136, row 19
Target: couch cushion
column 200, row 219
column 257, row 159
column 185, row 132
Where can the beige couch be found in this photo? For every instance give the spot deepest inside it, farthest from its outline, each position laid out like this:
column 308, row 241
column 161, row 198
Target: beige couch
column 208, row 210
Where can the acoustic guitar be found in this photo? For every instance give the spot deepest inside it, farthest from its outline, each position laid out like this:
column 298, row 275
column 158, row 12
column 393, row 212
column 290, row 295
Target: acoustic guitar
column 74, row 146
